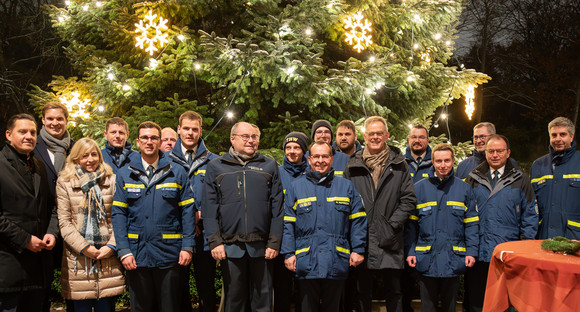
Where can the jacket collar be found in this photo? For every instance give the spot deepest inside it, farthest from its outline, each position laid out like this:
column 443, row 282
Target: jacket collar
column 562, row 157
column 317, row 178
column 230, row 159
column 434, row 179
column 295, row 169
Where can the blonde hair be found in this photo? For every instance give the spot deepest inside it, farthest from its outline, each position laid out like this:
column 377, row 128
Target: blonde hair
column 79, row 148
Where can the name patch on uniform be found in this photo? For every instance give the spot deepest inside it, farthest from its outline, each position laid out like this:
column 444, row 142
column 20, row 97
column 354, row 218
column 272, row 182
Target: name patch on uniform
column 255, row 168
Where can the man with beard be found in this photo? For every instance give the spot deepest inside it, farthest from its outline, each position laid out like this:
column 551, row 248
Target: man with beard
column 324, row 231
column 418, row 156
column 294, row 147
column 243, row 219
column 28, row 221
column 556, row 181
column 154, row 223
column 191, row 153
column 117, row 152
column 346, row 141
column 381, row 176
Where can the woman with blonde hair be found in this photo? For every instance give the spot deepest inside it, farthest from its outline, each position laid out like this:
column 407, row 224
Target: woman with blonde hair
column 91, row 273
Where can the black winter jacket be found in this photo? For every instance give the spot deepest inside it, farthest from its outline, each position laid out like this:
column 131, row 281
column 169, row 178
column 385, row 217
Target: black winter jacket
column 243, row 203
column 388, row 207
column 26, row 208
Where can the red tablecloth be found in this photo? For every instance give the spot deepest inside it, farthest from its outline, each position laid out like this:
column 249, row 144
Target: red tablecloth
column 531, row 279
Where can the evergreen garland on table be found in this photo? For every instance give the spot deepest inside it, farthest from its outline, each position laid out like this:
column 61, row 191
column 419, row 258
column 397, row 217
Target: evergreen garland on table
column 561, row 244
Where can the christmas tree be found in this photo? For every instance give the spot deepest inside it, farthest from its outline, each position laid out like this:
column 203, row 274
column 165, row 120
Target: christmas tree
column 279, row 64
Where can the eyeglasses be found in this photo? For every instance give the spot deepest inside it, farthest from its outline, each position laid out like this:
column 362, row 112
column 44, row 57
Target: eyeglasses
column 372, row 134
column 145, row 139
column 480, row 137
column 421, row 137
column 498, row 151
column 323, row 157
column 169, row 139
column 247, row 137
column 322, row 132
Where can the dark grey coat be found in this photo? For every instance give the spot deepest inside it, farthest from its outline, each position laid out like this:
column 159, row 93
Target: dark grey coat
column 26, row 208
column 388, row 207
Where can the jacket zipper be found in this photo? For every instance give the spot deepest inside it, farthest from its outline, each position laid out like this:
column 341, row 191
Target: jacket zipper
column 245, row 201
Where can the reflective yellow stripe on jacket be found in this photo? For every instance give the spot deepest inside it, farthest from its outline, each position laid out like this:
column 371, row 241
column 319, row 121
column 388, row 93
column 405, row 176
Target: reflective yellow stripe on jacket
column 299, row 251
column 168, row 185
column 303, row 200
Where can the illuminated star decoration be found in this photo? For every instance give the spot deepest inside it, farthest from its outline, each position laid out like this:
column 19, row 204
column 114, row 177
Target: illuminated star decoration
column 151, row 33
column 359, row 34
column 469, row 104
column 76, row 106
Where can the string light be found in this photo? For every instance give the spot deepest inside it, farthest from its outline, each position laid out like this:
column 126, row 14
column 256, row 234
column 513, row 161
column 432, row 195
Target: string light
column 153, row 63
column 290, row 70
column 67, row 2
column 469, row 103
column 443, row 116
column 230, row 115
column 437, row 36
column 372, row 59
column 359, row 34
column 99, row 4
column 126, row 87
column 448, row 42
column 197, row 66
column 101, row 108
column 416, row 46
column 368, row 91
column 111, row 76
column 410, row 126
column 308, row 31
column 151, row 33
column 410, row 78
column 181, row 37
column 85, row 7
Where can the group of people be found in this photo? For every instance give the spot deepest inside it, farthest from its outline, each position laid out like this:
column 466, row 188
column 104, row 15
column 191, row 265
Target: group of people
column 332, row 218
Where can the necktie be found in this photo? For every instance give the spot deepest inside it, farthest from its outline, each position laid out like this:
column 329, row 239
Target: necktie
column 495, row 178
column 189, row 157
column 150, row 172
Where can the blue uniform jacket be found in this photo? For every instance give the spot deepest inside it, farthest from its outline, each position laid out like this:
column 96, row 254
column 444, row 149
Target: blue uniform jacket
column 111, row 160
column 506, row 213
column 419, row 171
column 154, row 220
column 324, row 222
column 557, row 189
column 444, row 228
column 243, row 202
column 196, row 174
column 290, row 172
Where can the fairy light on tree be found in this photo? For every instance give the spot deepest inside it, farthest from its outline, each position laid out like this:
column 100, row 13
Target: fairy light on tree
column 151, row 33
column 469, row 103
column 76, row 106
column 359, row 35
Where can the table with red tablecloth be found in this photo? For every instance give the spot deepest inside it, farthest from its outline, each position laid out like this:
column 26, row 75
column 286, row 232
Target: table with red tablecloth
column 529, row 278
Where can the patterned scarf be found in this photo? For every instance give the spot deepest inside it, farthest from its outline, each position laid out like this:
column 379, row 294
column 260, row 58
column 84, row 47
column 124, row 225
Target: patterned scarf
column 92, row 212
column 376, row 162
column 57, row 147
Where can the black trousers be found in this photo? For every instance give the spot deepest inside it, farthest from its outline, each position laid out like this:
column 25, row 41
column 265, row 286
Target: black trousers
column 432, row 289
column 154, row 289
column 477, row 278
column 204, row 266
column 283, row 285
column 29, row 301
column 408, row 287
column 363, row 278
column 247, row 284
column 322, row 295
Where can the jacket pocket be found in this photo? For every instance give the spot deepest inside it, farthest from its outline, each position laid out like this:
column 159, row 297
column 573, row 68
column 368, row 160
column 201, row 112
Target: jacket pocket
column 303, row 266
column 423, row 254
column 573, row 226
column 387, row 236
column 342, row 259
column 458, row 257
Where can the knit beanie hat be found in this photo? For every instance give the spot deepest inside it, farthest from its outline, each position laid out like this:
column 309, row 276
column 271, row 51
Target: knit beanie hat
column 296, row 137
column 321, row 123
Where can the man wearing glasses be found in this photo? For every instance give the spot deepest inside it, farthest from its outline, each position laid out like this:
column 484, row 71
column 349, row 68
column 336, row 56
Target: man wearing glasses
column 506, row 206
column 154, row 222
column 243, row 219
column 481, row 132
column 322, row 131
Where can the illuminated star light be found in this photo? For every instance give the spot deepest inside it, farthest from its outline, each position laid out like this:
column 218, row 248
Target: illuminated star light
column 359, row 33
column 151, row 33
column 469, row 103
column 76, row 106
